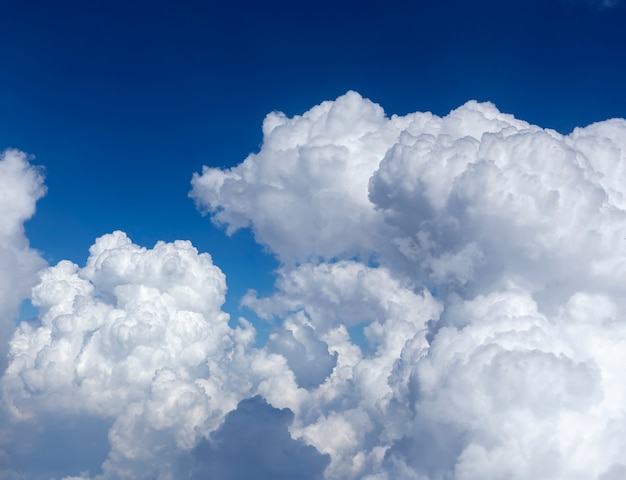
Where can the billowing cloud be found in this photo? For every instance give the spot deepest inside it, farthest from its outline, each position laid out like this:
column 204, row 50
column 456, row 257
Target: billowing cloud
column 311, row 170
column 449, row 306
column 136, row 337
column 518, row 231
column 21, row 185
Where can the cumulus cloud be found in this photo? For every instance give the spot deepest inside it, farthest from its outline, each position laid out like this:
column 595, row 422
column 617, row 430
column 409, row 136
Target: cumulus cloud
column 511, row 368
column 449, row 306
column 136, row 338
column 21, row 185
column 346, row 416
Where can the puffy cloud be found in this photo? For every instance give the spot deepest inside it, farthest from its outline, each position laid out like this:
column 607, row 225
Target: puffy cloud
column 296, row 191
column 474, row 195
column 521, row 395
column 511, row 369
column 449, row 305
column 346, row 416
column 21, row 185
column 137, row 338
column 518, row 204
column 468, row 202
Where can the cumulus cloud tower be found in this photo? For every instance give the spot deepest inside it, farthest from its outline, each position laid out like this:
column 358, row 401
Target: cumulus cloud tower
column 21, row 185
column 518, row 231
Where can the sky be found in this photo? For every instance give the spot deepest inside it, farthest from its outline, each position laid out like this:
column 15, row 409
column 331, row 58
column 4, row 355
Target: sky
column 312, row 240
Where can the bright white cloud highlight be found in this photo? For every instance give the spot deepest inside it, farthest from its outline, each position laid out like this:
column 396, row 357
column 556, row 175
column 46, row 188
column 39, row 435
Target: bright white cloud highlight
column 311, row 170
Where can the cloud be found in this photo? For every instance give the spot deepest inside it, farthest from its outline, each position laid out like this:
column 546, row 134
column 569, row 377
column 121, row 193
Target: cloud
column 449, row 305
column 21, row 185
column 523, row 395
column 517, row 204
column 294, row 193
column 517, row 230
column 346, row 416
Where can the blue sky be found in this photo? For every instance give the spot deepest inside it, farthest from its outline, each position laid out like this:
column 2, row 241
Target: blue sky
column 350, row 218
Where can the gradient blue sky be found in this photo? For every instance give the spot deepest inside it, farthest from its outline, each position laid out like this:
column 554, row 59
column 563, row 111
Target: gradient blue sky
column 122, row 101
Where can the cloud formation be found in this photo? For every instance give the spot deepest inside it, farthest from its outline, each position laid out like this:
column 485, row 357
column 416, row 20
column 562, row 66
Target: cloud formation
column 136, row 337
column 449, row 305
column 519, row 233
column 21, row 185
column 254, row 442
column 311, row 170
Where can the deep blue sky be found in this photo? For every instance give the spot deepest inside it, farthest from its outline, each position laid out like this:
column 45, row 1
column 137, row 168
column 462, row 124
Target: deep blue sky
column 123, row 100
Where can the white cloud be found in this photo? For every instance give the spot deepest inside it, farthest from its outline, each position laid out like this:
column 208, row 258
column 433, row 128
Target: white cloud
column 519, row 232
column 138, row 337
column 481, row 257
column 518, row 204
column 296, row 191
column 21, row 185
column 346, row 416
column 528, row 396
